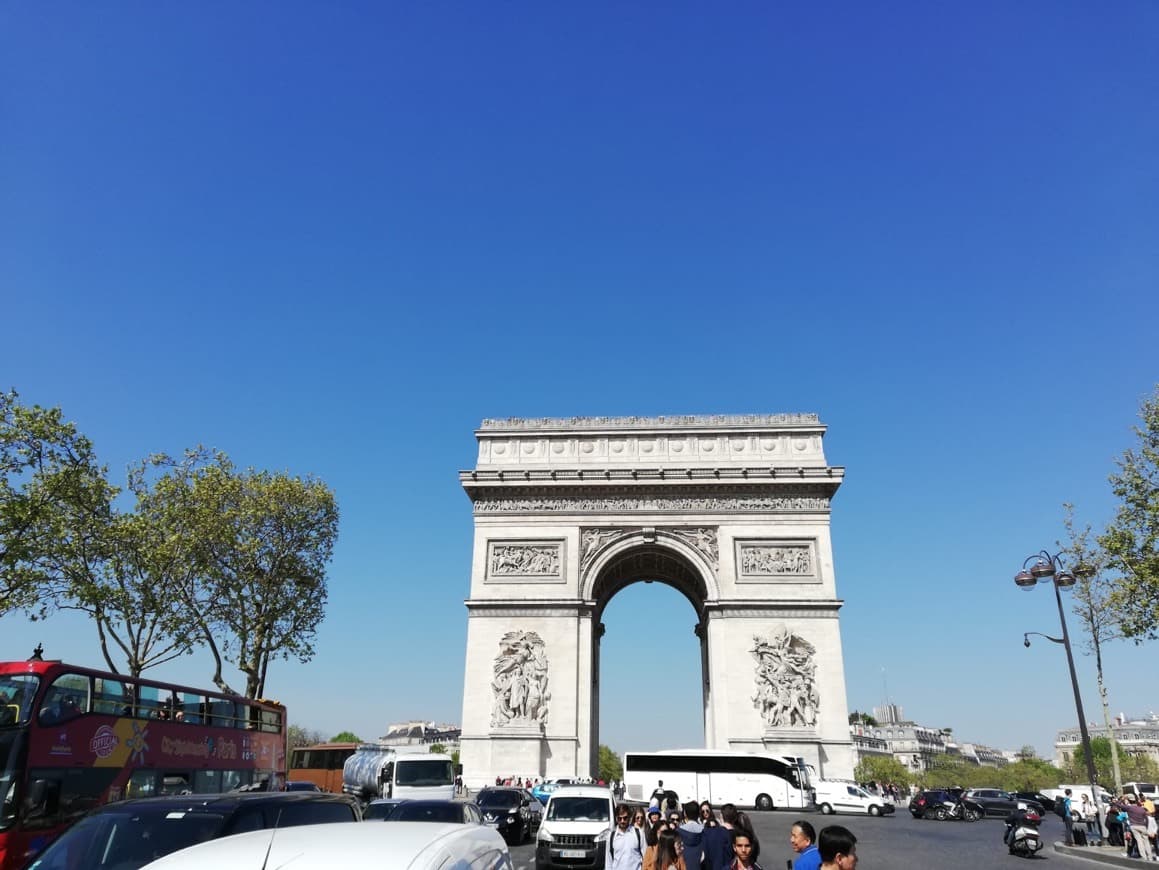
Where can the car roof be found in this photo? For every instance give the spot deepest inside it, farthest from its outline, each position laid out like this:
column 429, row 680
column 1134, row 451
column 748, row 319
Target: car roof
column 221, row 802
column 581, row 791
column 411, row 845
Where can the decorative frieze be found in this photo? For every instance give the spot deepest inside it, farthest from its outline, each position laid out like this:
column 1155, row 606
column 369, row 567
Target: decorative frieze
column 651, row 504
column 786, row 680
column 534, row 423
column 528, row 561
column 764, row 561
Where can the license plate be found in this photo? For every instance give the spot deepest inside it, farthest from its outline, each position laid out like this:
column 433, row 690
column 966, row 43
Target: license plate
column 572, row 853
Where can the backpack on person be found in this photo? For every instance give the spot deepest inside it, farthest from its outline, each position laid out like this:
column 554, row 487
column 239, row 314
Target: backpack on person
column 612, row 843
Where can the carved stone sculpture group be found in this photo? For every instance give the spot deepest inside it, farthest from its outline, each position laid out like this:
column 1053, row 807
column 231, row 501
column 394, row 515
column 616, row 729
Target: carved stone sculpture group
column 519, row 685
column 786, row 680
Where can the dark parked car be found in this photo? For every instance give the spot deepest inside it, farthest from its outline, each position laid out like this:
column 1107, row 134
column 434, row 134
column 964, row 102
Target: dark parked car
column 933, row 802
column 1047, row 803
column 455, row 812
column 513, row 812
column 130, row 834
column 1001, row 803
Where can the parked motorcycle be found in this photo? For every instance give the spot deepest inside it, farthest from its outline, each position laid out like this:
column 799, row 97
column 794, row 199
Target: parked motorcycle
column 965, row 810
column 962, row 809
column 1022, row 834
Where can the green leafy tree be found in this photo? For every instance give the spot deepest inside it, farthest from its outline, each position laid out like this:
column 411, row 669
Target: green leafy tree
column 78, row 550
column 455, row 759
column 1093, row 605
column 438, row 748
column 260, row 543
column 345, row 737
column 48, row 471
column 882, row 768
column 1027, row 752
column 610, row 766
column 859, row 718
column 1027, row 774
column 1131, row 541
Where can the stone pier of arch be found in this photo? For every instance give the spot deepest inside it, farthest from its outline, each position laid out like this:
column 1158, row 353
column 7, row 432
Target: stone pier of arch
column 731, row 511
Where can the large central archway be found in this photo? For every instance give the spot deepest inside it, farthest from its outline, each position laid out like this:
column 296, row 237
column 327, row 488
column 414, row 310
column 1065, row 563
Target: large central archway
column 645, row 556
column 732, row 512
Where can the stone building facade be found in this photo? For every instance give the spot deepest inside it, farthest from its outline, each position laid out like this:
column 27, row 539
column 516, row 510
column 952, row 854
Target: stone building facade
column 1138, row 735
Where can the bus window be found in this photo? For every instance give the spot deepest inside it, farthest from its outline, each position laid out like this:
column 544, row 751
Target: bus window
column 175, row 782
column 112, row 697
column 189, row 708
column 143, row 783
column 149, row 702
column 16, row 694
column 67, row 697
column 271, row 721
column 221, row 713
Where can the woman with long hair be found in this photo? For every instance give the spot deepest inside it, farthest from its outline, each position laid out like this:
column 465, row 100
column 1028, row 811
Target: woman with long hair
column 652, row 838
column 669, row 849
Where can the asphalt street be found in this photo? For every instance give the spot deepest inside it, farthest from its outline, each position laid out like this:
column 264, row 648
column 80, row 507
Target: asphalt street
column 897, row 842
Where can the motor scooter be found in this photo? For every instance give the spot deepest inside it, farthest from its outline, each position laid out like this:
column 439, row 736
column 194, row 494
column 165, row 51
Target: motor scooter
column 1022, row 836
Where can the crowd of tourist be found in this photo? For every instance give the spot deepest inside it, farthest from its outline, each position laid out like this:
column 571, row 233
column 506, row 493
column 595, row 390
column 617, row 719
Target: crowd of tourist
column 670, row 836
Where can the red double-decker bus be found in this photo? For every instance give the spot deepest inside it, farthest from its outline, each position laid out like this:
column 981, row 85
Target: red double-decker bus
column 72, row 738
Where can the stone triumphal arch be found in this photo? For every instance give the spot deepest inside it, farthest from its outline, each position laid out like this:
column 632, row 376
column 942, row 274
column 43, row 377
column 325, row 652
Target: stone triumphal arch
column 732, row 511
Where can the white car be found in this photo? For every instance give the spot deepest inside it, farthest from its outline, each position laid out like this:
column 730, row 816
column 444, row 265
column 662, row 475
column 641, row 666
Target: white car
column 575, row 827
column 401, row 845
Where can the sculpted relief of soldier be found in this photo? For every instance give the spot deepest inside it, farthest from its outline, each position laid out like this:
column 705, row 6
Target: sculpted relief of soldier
column 519, row 685
column 522, row 559
column 786, row 680
column 776, row 560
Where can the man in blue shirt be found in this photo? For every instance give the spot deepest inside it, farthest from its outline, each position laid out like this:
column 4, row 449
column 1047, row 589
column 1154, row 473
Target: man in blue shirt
column 1068, row 819
column 801, row 838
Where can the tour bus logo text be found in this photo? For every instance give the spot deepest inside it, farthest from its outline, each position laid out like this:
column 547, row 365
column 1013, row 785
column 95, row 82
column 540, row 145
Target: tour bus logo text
column 104, row 742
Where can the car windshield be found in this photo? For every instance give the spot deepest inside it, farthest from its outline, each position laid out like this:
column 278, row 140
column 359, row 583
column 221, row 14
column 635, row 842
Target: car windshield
column 418, row 811
column 378, row 810
column 128, row 840
column 423, row 773
column 499, row 799
column 16, row 694
column 577, row 809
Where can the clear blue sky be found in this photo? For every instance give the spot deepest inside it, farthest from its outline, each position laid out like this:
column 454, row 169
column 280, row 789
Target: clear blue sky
column 331, row 238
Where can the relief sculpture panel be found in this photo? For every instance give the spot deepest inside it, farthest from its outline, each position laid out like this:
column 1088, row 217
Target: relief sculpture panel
column 763, row 561
column 786, row 680
column 529, row 560
column 519, row 686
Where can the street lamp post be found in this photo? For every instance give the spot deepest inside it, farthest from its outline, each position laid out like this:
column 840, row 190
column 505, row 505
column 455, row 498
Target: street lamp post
column 1047, row 567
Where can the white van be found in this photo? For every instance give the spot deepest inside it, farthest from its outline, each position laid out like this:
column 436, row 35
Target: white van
column 575, row 827
column 402, row 845
column 836, row 796
column 1076, row 793
column 1142, row 789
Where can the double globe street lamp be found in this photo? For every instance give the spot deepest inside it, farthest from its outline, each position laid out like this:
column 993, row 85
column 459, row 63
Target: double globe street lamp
column 1044, row 567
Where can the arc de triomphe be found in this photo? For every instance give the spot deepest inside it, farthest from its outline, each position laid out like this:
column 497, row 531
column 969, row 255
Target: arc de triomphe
column 732, row 511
